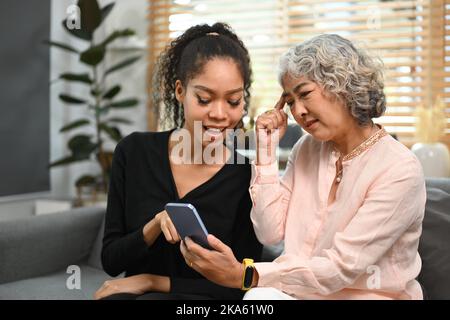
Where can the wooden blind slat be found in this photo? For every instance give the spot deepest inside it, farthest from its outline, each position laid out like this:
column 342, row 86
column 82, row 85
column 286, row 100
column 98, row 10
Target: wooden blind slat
column 294, row 5
column 407, row 38
column 363, row 18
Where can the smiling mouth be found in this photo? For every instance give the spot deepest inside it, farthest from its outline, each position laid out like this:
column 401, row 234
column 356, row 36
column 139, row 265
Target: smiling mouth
column 213, row 129
column 213, row 132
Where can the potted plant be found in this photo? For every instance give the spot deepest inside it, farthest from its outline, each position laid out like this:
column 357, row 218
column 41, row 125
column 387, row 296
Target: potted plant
column 430, row 127
column 100, row 102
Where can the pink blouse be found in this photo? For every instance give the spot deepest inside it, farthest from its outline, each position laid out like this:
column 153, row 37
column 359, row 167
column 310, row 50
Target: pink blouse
column 362, row 246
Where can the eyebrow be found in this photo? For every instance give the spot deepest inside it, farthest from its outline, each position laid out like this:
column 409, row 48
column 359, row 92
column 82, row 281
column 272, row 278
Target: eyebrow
column 212, row 91
column 297, row 88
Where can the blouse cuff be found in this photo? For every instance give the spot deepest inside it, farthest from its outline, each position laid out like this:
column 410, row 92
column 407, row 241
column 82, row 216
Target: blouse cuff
column 264, row 174
column 269, row 275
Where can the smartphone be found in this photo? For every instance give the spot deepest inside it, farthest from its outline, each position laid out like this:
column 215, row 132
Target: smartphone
column 188, row 222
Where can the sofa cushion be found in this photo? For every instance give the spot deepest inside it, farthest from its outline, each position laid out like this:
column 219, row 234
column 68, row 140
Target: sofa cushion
column 53, row 286
column 35, row 246
column 434, row 244
column 95, row 257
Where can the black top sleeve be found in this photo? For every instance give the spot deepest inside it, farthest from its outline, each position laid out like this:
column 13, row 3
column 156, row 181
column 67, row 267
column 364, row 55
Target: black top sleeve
column 120, row 249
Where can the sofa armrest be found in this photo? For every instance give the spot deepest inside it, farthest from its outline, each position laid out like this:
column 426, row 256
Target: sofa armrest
column 433, row 247
column 37, row 245
column 438, row 183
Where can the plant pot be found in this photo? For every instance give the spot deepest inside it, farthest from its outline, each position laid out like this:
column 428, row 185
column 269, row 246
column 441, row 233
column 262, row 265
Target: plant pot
column 434, row 157
column 91, row 195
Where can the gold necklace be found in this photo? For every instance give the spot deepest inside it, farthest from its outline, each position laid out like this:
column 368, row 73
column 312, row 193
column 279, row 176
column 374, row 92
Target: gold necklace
column 357, row 151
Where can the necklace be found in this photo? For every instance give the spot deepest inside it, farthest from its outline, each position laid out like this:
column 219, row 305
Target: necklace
column 357, row 151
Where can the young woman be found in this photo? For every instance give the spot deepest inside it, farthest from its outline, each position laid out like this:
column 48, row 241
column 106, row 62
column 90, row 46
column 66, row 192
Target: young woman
column 350, row 204
column 205, row 78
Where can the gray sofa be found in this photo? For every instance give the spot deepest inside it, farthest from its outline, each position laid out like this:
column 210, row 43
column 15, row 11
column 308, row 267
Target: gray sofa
column 35, row 252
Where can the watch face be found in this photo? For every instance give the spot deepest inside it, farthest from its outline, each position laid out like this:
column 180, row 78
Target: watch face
column 248, row 277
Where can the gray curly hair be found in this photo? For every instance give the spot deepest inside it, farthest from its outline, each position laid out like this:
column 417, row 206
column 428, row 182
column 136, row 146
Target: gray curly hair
column 348, row 73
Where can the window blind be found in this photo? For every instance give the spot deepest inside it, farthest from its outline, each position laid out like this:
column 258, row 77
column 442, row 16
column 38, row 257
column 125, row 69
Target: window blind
column 411, row 37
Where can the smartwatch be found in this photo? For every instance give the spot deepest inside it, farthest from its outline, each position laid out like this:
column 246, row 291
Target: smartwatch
column 247, row 277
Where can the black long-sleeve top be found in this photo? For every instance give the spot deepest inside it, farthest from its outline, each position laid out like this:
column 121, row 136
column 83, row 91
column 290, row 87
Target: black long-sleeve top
column 141, row 184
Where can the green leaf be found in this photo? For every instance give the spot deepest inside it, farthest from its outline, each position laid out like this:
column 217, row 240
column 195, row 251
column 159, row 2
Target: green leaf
column 61, row 46
column 81, row 146
column 74, row 125
column 113, row 132
column 101, row 110
column 79, row 33
column 127, row 103
column 85, row 180
column 117, row 136
column 96, row 92
column 69, row 99
column 111, row 93
column 63, row 161
column 93, row 56
column 80, row 77
column 91, row 16
column 119, row 120
column 118, row 34
column 78, row 140
column 122, row 64
column 106, row 10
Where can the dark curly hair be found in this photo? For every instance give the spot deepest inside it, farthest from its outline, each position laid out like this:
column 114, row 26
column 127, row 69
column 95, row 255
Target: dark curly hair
column 186, row 56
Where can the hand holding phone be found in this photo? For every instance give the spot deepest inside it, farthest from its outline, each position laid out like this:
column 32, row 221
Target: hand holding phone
column 188, row 222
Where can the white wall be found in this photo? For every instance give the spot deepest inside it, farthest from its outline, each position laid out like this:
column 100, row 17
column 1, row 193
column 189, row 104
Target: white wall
column 125, row 14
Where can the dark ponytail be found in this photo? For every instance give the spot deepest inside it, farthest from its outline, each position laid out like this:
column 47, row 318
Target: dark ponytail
column 185, row 57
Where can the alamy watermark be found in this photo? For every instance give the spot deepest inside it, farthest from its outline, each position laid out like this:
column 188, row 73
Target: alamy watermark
column 73, row 17
column 188, row 148
column 373, row 281
column 374, row 20
column 74, row 280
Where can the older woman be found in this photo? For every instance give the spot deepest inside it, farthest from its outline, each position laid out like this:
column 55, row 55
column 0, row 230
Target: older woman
column 350, row 204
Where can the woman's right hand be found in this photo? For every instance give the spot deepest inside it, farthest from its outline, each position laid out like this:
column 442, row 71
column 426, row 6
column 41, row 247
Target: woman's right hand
column 270, row 128
column 161, row 222
column 167, row 227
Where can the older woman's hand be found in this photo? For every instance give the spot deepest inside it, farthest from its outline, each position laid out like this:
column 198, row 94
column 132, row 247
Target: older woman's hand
column 270, row 128
column 218, row 265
